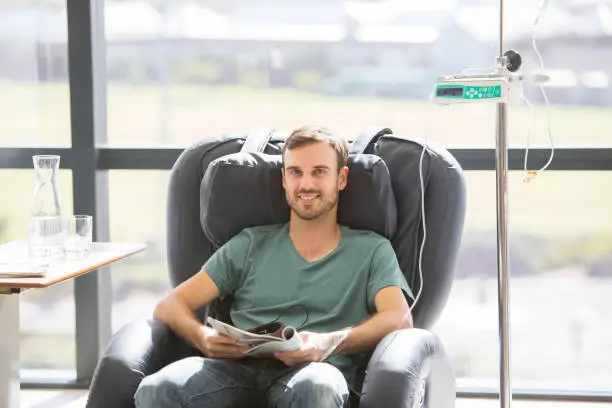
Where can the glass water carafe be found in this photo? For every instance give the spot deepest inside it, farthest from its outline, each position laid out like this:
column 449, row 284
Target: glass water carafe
column 45, row 223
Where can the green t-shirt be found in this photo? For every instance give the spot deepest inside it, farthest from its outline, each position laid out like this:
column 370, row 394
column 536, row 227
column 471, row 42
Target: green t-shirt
column 270, row 281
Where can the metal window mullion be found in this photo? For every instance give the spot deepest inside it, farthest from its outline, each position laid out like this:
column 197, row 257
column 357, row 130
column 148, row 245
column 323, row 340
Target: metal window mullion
column 21, row 157
column 565, row 159
column 109, row 158
column 87, row 68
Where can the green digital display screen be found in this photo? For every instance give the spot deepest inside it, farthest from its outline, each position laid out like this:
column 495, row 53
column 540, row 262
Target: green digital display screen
column 468, row 91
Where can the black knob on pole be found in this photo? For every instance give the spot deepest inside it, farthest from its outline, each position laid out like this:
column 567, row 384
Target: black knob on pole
column 514, row 60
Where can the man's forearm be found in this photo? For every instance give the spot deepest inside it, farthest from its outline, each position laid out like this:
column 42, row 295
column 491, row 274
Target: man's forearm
column 181, row 320
column 369, row 333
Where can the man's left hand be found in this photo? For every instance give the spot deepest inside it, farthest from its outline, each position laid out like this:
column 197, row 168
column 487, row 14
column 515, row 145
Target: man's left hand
column 315, row 347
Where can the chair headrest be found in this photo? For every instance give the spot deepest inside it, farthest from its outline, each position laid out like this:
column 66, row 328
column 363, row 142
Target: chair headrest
column 243, row 189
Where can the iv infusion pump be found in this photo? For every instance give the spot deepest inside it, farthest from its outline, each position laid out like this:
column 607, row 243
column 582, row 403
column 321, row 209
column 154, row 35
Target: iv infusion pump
column 465, row 88
column 499, row 83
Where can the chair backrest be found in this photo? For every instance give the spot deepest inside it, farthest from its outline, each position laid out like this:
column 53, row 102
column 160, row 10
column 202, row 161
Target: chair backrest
column 197, row 225
column 444, row 209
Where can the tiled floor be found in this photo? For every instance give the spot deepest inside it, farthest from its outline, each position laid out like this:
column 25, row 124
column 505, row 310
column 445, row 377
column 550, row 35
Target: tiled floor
column 77, row 399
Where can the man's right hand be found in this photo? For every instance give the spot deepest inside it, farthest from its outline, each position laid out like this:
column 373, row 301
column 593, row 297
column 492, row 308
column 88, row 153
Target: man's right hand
column 215, row 345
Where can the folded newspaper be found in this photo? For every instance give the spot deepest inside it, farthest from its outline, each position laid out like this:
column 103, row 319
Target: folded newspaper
column 265, row 339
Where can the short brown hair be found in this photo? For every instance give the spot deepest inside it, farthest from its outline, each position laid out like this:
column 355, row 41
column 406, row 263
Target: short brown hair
column 306, row 135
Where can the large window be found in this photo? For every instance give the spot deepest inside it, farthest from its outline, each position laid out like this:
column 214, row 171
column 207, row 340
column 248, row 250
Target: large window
column 190, row 69
column 561, row 275
column 34, row 101
column 34, row 95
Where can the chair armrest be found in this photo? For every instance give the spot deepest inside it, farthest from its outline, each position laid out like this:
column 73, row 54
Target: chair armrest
column 408, row 366
column 138, row 349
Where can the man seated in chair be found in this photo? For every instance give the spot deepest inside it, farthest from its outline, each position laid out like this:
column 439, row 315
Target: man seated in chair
column 342, row 288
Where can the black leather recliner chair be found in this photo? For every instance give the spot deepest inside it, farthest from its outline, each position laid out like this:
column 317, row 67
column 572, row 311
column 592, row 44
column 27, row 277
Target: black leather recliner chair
column 408, row 368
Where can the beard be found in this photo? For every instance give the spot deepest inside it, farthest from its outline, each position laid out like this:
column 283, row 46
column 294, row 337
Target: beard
column 318, row 207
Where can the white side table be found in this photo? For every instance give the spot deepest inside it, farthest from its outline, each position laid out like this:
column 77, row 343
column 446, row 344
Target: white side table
column 57, row 270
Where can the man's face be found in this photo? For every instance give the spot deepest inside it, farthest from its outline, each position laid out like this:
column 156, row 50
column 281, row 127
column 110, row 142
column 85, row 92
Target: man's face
column 311, row 180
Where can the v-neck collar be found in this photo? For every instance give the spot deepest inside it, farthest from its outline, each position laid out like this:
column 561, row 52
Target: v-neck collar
column 303, row 260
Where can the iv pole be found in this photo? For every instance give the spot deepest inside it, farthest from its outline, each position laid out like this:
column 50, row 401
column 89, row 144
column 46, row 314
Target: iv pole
column 501, row 169
column 506, row 63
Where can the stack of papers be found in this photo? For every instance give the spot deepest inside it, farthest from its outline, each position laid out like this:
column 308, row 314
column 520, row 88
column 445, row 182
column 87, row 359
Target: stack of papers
column 23, row 269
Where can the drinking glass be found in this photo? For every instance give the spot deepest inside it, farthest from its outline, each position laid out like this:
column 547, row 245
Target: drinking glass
column 78, row 236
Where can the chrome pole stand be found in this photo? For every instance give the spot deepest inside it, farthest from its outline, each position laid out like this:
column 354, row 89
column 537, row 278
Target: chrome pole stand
column 501, row 169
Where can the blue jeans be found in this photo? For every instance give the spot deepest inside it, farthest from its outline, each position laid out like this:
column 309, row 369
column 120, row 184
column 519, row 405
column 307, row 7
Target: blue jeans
column 197, row 382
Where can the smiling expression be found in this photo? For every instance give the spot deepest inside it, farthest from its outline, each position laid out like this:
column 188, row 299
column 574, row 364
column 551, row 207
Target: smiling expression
column 312, row 181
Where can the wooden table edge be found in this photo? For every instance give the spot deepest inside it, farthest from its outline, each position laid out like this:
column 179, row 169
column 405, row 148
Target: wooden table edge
column 36, row 283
